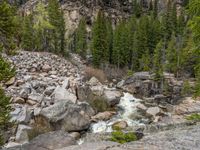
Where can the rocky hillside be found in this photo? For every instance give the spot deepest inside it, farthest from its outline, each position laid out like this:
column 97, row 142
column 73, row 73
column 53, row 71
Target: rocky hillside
column 74, row 10
column 49, row 94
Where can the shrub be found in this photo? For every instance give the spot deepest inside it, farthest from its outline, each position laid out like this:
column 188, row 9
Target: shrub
column 193, row 117
column 4, row 114
column 97, row 73
column 120, row 137
column 129, row 73
column 187, row 90
column 100, row 104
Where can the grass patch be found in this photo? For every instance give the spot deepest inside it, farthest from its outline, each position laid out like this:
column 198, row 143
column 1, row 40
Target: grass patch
column 120, row 137
column 193, row 117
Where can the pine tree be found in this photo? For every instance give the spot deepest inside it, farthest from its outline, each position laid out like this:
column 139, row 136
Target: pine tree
column 99, row 43
column 172, row 56
column 194, row 10
column 28, row 36
column 8, row 26
column 110, row 38
column 81, row 38
column 57, row 33
column 158, row 62
column 155, row 8
column 41, row 27
column 137, row 9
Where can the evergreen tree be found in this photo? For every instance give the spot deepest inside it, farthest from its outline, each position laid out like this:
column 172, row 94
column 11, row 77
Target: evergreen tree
column 28, row 36
column 110, row 39
column 57, row 33
column 8, row 26
column 81, row 38
column 99, row 43
column 155, row 8
column 137, row 9
column 41, row 27
column 158, row 62
column 194, row 10
column 172, row 56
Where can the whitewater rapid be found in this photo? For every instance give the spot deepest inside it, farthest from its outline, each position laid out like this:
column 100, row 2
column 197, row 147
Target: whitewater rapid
column 127, row 108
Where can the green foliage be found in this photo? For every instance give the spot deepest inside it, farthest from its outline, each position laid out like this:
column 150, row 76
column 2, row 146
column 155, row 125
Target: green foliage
column 120, row 137
column 57, row 31
column 187, row 89
column 130, row 73
column 99, row 43
column 194, row 10
column 6, row 72
column 158, row 62
column 4, row 114
column 193, row 117
column 99, row 104
column 8, row 26
column 137, row 9
column 81, row 38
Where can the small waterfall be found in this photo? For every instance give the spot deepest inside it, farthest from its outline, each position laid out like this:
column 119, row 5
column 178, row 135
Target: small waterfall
column 127, row 108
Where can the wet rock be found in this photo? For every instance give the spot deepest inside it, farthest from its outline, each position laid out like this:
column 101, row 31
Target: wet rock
column 103, row 116
column 49, row 90
column 153, row 111
column 112, row 97
column 142, row 107
column 75, row 135
column 22, row 134
column 120, row 84
column 120, row 125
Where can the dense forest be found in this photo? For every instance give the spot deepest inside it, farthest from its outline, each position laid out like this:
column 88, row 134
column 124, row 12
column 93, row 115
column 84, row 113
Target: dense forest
column 149, row 40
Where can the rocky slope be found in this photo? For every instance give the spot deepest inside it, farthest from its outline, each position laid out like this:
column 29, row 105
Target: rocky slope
column 49, row 93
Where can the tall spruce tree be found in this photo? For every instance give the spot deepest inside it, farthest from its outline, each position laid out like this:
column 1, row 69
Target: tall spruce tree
column 8, row 26
column 57, row 33
column 158, row 62
column 28, row 35
column 81, row 38
column 194, row 10
column 99, row 45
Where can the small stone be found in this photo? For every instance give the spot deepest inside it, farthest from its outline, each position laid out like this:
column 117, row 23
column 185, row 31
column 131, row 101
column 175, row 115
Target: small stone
column 120, row 125
column 75, row 135
column 19, row 100
column 142, row 107
column 11, row 81
column 153, row 111
column 46, row 68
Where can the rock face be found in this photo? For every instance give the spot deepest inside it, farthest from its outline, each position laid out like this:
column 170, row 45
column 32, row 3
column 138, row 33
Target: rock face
column 66, row 116
column 143, row 85
column 52, row 140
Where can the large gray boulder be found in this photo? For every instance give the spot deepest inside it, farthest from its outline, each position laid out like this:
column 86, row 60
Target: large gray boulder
column 22, row 134
column 61, row 93
column 112, row 96
column 67, row 116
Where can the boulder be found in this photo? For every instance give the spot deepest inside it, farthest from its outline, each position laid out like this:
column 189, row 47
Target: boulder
column 21, row 114
column 153, row 111
column 22, row 134
column 103, row 116
column 141, row 107
column 97, row 90
column 52, row 140
column 120, row 84
column 120, row 125
column 49, row 90
column 66, row 116
column 94, row 82
column 61, row 93
column 112, row 97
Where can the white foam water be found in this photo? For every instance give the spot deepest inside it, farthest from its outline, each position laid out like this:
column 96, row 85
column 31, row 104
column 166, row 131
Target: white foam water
column 127, row 108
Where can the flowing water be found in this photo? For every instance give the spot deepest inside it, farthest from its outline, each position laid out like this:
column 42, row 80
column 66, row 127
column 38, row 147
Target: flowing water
column 127, row 108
